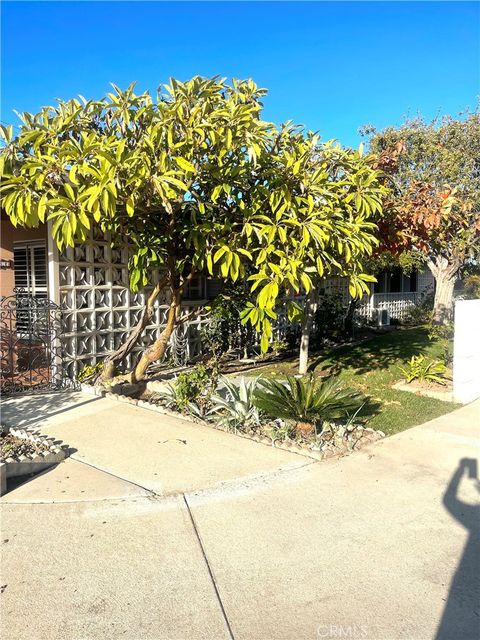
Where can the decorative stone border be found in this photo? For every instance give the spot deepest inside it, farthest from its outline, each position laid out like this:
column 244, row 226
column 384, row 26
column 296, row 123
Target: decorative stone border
column 33, row 463
column 349, row 445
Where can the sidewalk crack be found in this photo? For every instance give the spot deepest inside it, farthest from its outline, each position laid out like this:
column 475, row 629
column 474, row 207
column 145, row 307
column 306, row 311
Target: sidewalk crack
column 209, row 568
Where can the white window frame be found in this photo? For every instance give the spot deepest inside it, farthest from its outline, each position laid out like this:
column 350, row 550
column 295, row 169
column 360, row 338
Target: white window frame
column 32, row 288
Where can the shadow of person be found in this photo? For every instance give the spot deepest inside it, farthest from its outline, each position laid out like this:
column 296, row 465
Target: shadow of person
column 461, row 616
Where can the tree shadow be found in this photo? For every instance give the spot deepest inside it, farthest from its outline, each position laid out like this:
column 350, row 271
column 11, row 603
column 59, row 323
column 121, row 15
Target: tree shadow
column 26, row 410
column 379, row 353
column 461, row 616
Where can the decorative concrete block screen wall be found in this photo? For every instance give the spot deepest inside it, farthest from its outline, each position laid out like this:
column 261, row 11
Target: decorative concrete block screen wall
column 100, row 309
column 466, row 351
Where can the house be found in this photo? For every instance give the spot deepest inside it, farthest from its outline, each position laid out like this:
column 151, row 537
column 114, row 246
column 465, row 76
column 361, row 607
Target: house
column 395, row 293
column 90, row 283
column 390, row 298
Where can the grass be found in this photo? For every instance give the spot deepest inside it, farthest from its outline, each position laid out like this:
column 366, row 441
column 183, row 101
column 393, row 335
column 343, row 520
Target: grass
column 373, row 367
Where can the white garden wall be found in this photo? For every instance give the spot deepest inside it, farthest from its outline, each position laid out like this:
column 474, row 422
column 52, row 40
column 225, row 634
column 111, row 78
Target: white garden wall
column 466, row 351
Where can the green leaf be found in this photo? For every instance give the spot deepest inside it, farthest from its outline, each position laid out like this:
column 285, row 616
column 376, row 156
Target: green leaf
column 185, row 164
column 130, row 206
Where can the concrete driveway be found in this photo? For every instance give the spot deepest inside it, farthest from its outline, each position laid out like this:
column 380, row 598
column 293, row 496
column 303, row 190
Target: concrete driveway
column 148, row 538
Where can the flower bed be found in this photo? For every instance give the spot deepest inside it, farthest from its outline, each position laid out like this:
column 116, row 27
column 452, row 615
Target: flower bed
column 23, row 453
column 334, row 438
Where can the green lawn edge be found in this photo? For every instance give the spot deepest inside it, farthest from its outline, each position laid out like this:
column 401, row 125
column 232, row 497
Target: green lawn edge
column 373, row 366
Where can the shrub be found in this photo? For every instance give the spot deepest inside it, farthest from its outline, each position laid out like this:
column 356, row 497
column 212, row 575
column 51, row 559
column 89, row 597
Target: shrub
column 329, row 316
column 191, row 390
column 308, row 402
column 278, row 346
column 236, row 409
column 224, row 331
column 472, row 287
column 421, row 313
column 90, row 371
column 424, row 370
column 189, row 386
column 443, row 333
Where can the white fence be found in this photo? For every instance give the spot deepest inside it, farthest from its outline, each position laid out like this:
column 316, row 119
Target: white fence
column 466, row 351
column 397, row 304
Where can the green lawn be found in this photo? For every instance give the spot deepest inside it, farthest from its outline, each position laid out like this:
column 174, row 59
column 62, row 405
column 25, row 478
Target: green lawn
column 373, row 367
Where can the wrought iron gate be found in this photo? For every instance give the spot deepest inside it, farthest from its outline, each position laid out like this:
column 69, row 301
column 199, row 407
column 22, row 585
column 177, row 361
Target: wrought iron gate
column 31, row 347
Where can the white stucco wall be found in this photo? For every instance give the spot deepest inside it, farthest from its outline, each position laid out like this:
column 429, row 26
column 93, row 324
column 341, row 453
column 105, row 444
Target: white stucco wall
column 466, row 351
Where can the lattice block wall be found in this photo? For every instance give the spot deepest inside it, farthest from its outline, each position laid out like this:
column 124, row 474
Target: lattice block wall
column 100, row 310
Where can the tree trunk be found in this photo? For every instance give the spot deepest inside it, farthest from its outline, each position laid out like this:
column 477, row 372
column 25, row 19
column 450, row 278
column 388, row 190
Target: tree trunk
column 445, row 275
column 309, row 314
column 158, row 348
column 115, row 358
column 348, row 323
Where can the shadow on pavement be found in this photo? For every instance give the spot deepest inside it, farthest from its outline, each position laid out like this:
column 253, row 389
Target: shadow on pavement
column 461, row 616
column 26, row 410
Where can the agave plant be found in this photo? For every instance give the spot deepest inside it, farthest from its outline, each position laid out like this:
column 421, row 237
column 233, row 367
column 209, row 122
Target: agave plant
column 236, row 409
column 307, row 401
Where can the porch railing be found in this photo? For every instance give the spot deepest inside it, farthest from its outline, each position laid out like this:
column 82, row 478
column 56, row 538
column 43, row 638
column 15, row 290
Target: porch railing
column 397, row 304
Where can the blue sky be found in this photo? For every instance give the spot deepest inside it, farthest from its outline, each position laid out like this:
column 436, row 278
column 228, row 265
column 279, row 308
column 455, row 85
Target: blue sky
column 332, row 66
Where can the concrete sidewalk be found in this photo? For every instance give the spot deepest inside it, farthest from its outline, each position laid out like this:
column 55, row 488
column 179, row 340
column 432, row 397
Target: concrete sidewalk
column 164, row 454
column 380, row 545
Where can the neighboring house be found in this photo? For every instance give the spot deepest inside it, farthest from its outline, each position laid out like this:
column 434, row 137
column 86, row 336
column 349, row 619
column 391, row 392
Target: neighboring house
column 395, row 293
column 90, row 283
column 391, row 296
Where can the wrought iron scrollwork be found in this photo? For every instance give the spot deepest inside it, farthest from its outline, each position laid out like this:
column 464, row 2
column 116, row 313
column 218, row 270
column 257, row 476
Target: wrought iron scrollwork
column 31, row 330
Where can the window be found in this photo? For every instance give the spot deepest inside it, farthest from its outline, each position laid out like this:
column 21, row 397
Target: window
column 30, row 267
column 195, row 290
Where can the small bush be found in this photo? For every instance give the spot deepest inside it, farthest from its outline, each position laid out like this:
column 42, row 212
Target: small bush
column 191, row 390
column 329, row 317
column 472, row 287
column 90, row 371
column 444, row 334
column 224, row 331
column 425, row 370
column 308, row 402
column 420, row 313
column 278, row 346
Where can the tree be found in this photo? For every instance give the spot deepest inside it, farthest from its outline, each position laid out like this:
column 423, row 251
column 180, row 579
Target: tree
column 434, row 206
column 198, row 184
column 322, row 201
column 169, row 175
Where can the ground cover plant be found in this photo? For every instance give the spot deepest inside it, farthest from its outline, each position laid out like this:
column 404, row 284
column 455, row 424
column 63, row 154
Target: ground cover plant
column 372, row 367
column 425, row 369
